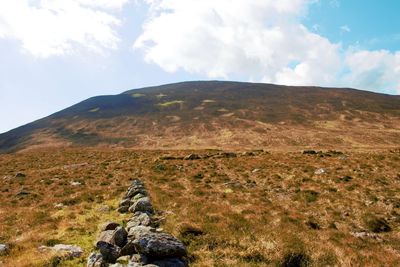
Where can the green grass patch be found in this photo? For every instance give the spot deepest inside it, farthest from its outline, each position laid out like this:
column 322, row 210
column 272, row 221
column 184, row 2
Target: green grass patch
column 94, row 110
column 170, row 103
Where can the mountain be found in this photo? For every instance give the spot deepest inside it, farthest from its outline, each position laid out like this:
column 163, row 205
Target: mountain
column 215, row 114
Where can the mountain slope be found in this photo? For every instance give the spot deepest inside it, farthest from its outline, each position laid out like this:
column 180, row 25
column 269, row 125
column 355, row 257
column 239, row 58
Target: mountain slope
column 215, row 114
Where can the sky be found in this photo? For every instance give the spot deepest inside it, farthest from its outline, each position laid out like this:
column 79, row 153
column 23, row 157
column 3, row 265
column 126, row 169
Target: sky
column 55, row 53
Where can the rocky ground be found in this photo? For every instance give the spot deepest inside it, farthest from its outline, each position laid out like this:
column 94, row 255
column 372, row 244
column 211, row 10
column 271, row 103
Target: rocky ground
column 213, row 208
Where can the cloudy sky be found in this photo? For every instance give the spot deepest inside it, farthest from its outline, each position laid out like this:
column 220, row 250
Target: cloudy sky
column 55, row 53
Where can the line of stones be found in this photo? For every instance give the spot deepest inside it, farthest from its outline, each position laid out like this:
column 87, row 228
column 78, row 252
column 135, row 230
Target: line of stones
column 140, row 242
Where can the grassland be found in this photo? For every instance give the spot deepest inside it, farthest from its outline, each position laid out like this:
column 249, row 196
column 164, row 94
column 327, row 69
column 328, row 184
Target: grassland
column 261, row 209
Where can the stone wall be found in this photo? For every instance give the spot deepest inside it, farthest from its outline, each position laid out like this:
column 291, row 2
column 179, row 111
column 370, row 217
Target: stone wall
column 140, row 242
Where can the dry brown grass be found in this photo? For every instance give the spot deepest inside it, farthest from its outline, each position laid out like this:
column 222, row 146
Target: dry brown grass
column 247, row 211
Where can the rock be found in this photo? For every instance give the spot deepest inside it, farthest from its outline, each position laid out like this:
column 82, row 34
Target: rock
column 138, row 231
column 96, row 260
column 142, row 205
column 364, row 234
column 123, row 259
column 346, row 178
column 137, row 182
column 106, row 236
column 23, row 192
column 109, row 252
column 125, row 202
column 118, row 236
column 20, row 175
column 159, row 245
column 123, row 209
column 137, row 197
column 320, row 171
column 378, row 225
column 310, row 152
column 4, row 249
column 139, row 218
column 73, row 251
column 227, row 155
column 134, row 191
column 248, row 154
column 128, row 249
column 59, row 205
column 69, row 251
column 171, row 262
column 171, row 158
column 109, row 226
column 192, row 157
column 140, row 258
column 75, row 183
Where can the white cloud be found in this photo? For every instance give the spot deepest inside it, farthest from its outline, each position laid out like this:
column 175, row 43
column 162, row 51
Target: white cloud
column 257, row 40
column 56, row 27
column 374, row 70
column 345, row 28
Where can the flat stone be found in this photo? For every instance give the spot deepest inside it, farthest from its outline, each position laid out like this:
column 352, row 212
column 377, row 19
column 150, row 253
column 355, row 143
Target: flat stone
column 138, row 231
column 159, row 245
column 139, row 218
column 118, row 236
column 142, row 205
column 134, row 191
column 137, row 197
column 106, row 236
column 69, row 251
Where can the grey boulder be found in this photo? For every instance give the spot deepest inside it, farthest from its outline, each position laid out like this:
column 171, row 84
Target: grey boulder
column 142, row 205
column 159, row 245
column 125, row 202
column 138, row 231
column 123, row 209
column 69, row 251
column 109, row 252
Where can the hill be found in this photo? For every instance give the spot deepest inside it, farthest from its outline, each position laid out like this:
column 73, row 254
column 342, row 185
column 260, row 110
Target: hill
column 223, row 115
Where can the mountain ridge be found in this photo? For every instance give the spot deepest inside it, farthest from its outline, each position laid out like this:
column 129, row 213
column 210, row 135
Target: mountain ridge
column 218, row 114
